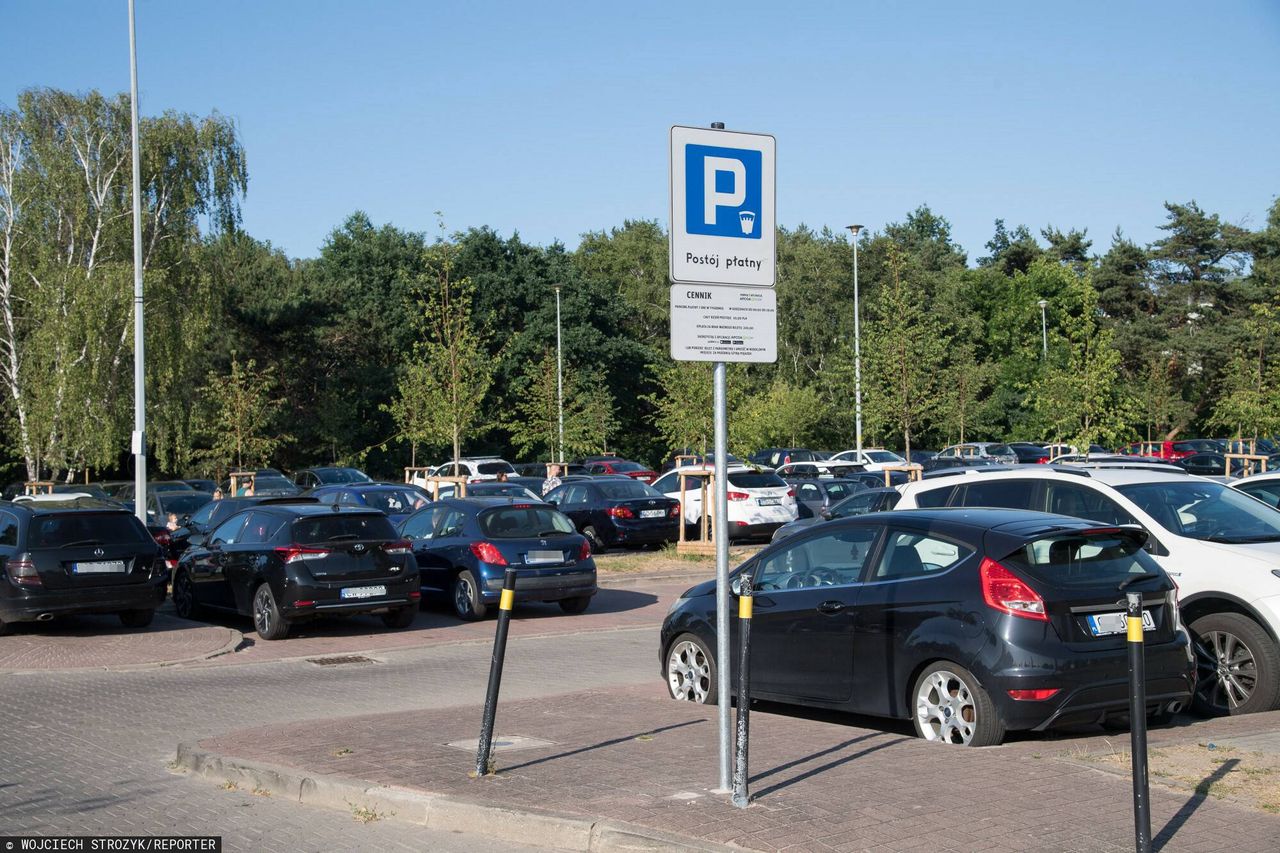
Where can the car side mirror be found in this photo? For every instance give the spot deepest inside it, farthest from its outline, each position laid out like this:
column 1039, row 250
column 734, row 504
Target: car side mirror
column 735, row 586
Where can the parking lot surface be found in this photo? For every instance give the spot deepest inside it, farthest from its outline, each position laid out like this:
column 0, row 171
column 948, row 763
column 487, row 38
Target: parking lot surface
column 74, row 642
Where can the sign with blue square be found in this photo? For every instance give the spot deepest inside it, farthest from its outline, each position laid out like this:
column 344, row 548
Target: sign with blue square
column 722, row 191
column 723, row 207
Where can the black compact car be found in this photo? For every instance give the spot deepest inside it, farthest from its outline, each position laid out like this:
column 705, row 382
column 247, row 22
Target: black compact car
column 283, row 563
column 463, row 547
column 968, row 622
column 60, row 558
column 618, row 512
column 815, row 495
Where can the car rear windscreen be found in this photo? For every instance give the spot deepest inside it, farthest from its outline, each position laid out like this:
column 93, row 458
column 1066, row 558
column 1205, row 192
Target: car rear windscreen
column 621, row 491
column 624, row 467
column 524, row 522
column 1083, row 559
column 761, row 480
column 342, row 528
column 183, row 504
column 495, row 468
column 60, row 531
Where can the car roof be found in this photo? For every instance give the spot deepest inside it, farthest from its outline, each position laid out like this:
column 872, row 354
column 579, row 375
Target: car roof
column 64, row 503
column 1111, row 475
column 311, row 509
column 1013, row 525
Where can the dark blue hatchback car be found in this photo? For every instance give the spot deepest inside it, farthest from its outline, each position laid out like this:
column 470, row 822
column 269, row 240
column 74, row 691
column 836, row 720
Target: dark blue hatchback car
column 968, row 622
column 463, row 547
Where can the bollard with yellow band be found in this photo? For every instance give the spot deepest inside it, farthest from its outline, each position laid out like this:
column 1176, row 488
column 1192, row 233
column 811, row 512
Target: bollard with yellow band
column 484, row 749
column 741, row 797
column 1138, row 724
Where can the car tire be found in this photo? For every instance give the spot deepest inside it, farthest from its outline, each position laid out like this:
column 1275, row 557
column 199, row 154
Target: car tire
column 268, row 621
column 577, row 604
column 184, row 597
column 400, row 618
column 6, row 628
column 1239, row 666
column 691, row 670
column 597, row 544
column 950, row 706
column 467, row 603
column 136, row 618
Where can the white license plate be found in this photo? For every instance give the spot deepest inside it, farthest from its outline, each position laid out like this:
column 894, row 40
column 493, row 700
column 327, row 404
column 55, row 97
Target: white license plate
column 1105, row 624
column 544, row 557
column 768, row 501
column 652, row 513
column 105, row 567
column 363, row 591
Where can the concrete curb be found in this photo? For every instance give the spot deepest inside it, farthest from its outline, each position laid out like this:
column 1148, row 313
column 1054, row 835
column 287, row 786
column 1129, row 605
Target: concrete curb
column 536, row 827
column 621, row 579
column 227, row 648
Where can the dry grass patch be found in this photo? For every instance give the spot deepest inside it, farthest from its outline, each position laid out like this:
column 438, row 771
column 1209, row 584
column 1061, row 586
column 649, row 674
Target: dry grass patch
column 1222, row 772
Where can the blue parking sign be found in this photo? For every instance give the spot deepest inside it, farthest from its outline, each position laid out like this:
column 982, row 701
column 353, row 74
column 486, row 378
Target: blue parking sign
column 723, row 191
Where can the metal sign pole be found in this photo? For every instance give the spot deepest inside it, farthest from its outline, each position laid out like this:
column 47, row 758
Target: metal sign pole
column 139, row 338
column 721, row 528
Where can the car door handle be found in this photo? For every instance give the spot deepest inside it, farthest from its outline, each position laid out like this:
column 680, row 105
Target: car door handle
column 831, row 606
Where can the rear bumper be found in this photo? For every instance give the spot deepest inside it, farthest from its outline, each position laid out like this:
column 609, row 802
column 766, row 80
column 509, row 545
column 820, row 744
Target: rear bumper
column 544, row 587
column 762, row 530
column 649, row 535
column 401, row 591
column 29, row 605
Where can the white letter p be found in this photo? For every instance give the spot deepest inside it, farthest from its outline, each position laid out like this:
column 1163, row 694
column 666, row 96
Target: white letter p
column 713, row 199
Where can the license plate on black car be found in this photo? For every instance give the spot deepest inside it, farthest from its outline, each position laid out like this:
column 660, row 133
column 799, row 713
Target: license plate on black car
column 363, row 591
column 104, row 567
column 652, row 513
column 1106, row 624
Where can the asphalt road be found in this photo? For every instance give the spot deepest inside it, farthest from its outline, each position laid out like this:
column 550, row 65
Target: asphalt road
column 87, row 752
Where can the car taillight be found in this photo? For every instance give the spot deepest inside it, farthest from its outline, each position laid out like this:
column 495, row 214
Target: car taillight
column 1004, row 591
column 22, row 570
column 791, row 493
column 475, row 480
column 487, row 552
column 1042, row 460
column 297, row 553
column 621, row 512
column 397, row 548
column 1034, row 695
column 585, row 551
column 738, row 496
column 162, row 538
column 675, row 510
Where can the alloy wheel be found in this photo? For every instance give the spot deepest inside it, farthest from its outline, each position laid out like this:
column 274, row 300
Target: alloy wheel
column 689, row 672
column 462, row 594
column 946, row 710
column 262, row 606
column 183, row 595
column 1228, row 671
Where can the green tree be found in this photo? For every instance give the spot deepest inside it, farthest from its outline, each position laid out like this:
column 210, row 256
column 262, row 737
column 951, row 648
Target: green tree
column 241, row 415
column 589, row 420
column 1250, row 404
column 783, row 414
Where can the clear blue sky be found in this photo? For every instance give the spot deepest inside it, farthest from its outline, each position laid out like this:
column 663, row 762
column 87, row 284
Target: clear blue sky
column 551, row 118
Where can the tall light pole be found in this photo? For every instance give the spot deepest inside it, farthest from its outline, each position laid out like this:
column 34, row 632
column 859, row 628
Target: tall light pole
column 559, row 375
column 857, row 347
column 1044, row 330
column 139, row 371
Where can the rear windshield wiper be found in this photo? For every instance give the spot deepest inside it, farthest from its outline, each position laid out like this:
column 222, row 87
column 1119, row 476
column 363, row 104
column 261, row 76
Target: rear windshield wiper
column 553, row 533
column 1145, row 576
column 82, row 542
column 344, row 537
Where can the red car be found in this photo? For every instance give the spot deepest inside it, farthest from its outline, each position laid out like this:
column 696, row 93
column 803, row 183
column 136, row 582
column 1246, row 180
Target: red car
column 1170, row 450
column 621, row 466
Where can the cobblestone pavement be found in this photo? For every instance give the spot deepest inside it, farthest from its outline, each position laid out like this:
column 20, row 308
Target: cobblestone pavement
column 821, row 782
column 85, row 752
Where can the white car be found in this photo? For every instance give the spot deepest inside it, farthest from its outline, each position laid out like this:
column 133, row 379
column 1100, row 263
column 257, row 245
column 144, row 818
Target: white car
column 1264, row 487
column 872, row 458
column 1220, row 546
column 476, row 469
column 759, row 501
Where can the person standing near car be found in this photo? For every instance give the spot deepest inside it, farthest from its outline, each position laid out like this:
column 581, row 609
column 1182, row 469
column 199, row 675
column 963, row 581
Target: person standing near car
column 553, row 478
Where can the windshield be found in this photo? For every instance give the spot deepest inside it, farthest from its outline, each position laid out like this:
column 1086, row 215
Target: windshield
column 342, row 528
column 508, row 490
column 183, row 504
column 271, row 481
column 1208, row 511
column 884, row 456
column 340, row 475
column 1080, row 560
column 624, row 467
column 524, row 522
column 624, row 491
column 495, row 468
column 73, row 529
column 393, row 501
column 762, row 480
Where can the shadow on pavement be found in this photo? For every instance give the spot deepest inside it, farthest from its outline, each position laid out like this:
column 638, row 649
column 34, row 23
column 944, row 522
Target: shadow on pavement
column 602, row 745
column 1170, row 829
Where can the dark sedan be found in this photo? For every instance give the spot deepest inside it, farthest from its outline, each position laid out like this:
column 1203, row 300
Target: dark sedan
column 463, row 547
column 58, row 558
column 968, row 622
column 860, row 503
column 813, row 496
column 396, row 502
column 618, row 512
column 284, row 563
column 310, row 478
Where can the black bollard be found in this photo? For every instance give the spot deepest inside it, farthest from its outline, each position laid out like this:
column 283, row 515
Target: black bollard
column 1138, row 725
column 484, row 757
column 741, row 796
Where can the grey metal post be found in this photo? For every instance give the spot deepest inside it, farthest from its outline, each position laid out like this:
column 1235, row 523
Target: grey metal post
column 559, row 375
column 722, row 576
column 1044, row 329
column 139, row 365
column 857, row 346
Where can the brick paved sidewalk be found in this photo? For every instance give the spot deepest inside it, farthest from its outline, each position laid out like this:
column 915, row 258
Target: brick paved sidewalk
column 819, row 783
column 101, row 642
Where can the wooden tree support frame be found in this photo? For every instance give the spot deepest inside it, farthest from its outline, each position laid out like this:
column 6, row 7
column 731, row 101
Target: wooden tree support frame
column 1249, row 460
column 914, row 472
column 38, row 487
column 418, row 477
column 705, row 546
column 240, row 477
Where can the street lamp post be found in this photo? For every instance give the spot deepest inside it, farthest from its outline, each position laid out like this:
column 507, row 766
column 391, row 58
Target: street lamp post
column 559, row 376
column 857, row 347
column 139, row 339
column 1044, row 329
